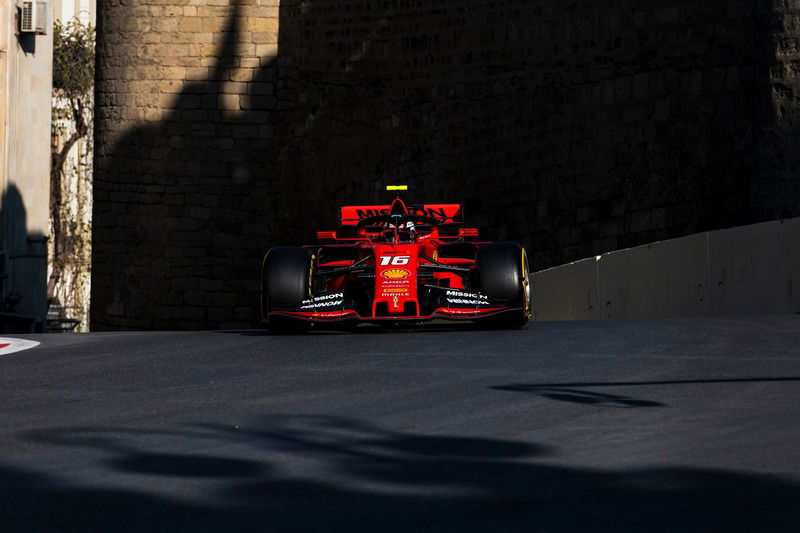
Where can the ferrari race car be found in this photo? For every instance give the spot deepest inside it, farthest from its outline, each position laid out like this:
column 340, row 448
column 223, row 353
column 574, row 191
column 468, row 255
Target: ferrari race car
column 396, row 263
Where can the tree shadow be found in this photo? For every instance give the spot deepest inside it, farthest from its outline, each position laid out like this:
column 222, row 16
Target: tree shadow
column 524, row 387
column 579, row 396
column 182, row 209
column 369, row 478
column 570, row 391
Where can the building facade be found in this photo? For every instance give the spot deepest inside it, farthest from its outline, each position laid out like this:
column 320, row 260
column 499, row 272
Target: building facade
column 25, row 95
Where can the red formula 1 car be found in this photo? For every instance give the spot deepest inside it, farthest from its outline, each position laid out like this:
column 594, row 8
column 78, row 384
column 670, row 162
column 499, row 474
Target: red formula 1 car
column 396, row 263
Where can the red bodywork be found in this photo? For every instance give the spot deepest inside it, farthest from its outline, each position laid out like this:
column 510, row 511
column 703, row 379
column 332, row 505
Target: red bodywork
column 374, row 270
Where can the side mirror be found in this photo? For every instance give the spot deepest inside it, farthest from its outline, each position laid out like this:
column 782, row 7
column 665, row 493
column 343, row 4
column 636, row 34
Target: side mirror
column 326, row 235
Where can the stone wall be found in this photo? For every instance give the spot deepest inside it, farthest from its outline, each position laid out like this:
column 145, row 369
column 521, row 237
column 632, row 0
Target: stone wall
column 183, row 194
column 776, row 182
column 577, row 127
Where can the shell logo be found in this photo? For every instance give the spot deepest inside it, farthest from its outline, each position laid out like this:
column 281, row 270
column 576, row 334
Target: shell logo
column 396, row 273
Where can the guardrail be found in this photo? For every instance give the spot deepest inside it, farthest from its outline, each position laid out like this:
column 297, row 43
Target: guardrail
column 751, row 269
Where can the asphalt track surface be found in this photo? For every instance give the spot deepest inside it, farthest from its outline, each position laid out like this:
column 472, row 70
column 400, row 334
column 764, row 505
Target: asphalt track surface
column 664, row 425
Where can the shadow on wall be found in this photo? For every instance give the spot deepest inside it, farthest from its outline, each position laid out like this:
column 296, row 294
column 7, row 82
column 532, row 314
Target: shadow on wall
column 576, row 128
column 23, row 269
column 319, row 473
column 182, row 207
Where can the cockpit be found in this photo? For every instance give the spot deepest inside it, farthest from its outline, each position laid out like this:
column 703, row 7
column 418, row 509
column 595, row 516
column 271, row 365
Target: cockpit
column 398, row 228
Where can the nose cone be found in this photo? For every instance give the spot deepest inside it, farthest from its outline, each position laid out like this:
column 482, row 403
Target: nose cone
column 396, row 280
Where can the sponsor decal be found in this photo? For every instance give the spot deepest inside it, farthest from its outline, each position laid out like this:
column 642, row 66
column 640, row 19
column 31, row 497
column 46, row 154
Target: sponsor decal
column 461, row 294
column 395, row 273
column 436, row 213
column 334, row 314
column 465, row 301
column 8, row 345
column 332, row 303
column 460, row 311
column 328, row 300
column 325, row 297
column 395, row 295
column 401, row 292
column 466, row 298
column 395, row 283
column 395, row 260
column 367, row 213
column 431, row 212
column 394, row 301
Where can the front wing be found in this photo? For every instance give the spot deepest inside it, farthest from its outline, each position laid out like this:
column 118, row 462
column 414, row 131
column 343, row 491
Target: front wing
column 351, row 315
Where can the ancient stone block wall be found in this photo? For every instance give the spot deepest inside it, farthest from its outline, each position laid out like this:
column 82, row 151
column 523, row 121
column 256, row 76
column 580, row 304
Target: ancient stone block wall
column 183, row 193
column 776, row 180
column 577, row 127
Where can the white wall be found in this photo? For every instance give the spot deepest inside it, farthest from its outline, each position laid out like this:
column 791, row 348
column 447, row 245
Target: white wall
column 85, row 10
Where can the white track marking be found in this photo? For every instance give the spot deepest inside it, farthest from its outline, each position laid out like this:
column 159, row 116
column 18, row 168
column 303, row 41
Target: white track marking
column 8, row 345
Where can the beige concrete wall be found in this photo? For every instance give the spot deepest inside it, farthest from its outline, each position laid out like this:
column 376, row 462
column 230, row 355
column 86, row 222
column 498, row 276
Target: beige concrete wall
column 756, row 269
column 668, row 278
column 751, row 269
column 26, row 68
column 567, row 291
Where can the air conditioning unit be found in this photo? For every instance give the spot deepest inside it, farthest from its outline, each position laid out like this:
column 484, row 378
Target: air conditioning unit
column 33, row 17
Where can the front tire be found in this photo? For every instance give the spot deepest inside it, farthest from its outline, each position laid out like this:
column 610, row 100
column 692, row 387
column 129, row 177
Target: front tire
column 286, row 281
column 501, row 271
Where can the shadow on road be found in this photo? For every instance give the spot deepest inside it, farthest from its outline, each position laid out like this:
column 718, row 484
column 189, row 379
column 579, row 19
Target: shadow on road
column 321, row 473
column 534, row 387
column 568, row 392
column 579, row 396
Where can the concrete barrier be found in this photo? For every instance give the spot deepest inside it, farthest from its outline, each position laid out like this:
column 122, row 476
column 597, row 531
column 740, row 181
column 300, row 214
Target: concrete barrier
column 667, row 278
column 567, row 292
column 746, row 270
column 756, row 269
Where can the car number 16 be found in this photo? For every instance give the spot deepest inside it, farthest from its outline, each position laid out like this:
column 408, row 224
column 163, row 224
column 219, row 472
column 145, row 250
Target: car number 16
column 395, row 260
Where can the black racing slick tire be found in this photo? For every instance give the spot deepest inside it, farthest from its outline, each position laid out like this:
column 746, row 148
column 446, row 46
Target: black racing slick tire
column 285, row 281
column 501, row 271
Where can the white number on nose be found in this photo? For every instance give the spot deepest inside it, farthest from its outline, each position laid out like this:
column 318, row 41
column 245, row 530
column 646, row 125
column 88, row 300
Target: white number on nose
column 395, row 260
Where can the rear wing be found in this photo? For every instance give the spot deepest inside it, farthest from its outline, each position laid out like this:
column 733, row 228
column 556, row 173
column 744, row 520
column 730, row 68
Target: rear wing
column 443, row 213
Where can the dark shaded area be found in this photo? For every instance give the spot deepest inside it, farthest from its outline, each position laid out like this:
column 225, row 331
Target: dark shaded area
column 177, row 465
column 23, row 269
column 575, row 128
column 578, row 396
column 533, row 387
column 27, row 42
column 569, row 392
column 374, row 479
column 183, row 208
